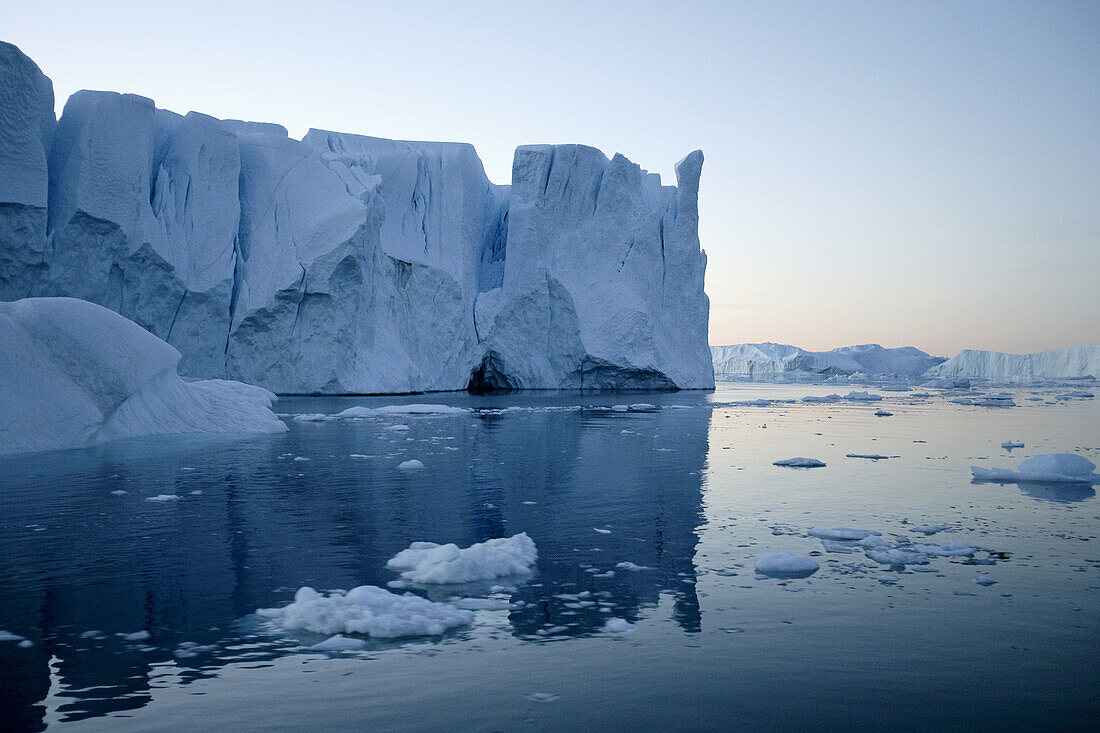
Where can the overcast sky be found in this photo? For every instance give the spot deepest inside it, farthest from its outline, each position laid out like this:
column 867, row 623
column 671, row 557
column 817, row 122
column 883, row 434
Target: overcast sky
column 912, row 173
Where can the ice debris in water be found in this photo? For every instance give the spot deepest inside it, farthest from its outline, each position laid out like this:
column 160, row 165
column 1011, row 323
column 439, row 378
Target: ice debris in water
column 1050, row 467
column 929, row 529
column 142, row 635
column 984, row 580
column 8, row 636
column 543, row 696
column 410, row 465
column 842, row 533
column 1010, row 444
column 782, row 564
column 367, row 610
column 631, row 566
column 618, row 626
column 412, row 409
column 163, row 497
column 428, row 562
column 800, row 463
column 863, row 396
column 871, row 456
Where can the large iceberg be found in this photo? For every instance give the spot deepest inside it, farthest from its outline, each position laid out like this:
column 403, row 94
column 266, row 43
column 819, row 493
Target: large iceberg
column 1076, row 363
column 77, row 374
column 343, row 263
column 769, row 361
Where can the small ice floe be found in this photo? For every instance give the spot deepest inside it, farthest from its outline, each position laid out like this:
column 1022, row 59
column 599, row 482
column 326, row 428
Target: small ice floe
column 845, row 546
column 300, row 459
column 800, row 463
column 951, row 549
column 530, row 503
column 618, row 626
column 885, row 578
column 602, row 531
column 142, row 635
column 543, row 696
column 896, row 556
column 196, row 492
column 631, row 567
column 732, row 630
column 993, row 400
column 883, row 413
column 367, row 610
column 8, row 636
column 929, row 529
column 410, row 465
column 310, row 417
column 398, row 428
column 984, row 580
column 359, row 411
column 1010, row 444
column 163, row 497
column 1074, row 396
column 863, row 396
column 25, row 644
column 480, row 604
column 340, row 643
column 782, row 564
column 869, row 456
column 1047, row 468
column 642, row 407
column 620, row 408
column 427, row 562
column 842, row 533
column 118, row 492
column 92, row 634
column 826, row 398
column 359, row 456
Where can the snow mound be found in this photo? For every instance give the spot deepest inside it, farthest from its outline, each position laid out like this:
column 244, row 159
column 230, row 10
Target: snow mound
column 367, row 610
column 800, row 463
column 77, row 374
column 782, row 564
column 428, row 562
column 1047, row 468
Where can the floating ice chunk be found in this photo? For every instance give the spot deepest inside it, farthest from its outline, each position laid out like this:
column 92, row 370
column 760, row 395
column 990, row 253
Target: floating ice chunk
column 929, row 529
column 897, row 556
column 300, row 459
column 92, row 634
column 543, row 696
column 410, row 465
column 420, row 409
column 310, row 417
column 800, row 463
column 480, row 604
column 642, row 407
column 871, row 456
column 189, row 649
column 1010, row 444
column 602, row 531
column 782, row 564
column 984, row 580
column 631, row 566
column 340, row 643
column 427, row 562
column 1050, row 467
column 135, row 636
column 885, row 578
column 883, row 413
column 398, row 428
column 951, row 549
column 25, row 644
column 873, row 540
column 118, row 492
column 842, row 533
column 367, row 610
column 618, row 626
column 8, row 636
column 163, row 497
column 839, row 546
column 620, row 408
column 863, row 396
column 826, row 398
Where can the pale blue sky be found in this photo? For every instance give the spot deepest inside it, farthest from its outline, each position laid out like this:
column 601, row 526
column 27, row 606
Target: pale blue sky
column 923, row 173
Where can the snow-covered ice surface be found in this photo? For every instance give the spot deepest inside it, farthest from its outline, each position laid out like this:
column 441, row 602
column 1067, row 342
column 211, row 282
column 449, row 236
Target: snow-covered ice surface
column 77, row 374
column 907, row 551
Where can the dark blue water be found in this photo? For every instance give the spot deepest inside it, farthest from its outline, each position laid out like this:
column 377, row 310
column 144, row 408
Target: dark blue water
column 687, row 491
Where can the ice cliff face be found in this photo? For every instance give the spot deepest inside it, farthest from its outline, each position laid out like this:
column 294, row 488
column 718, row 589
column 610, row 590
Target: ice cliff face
column 349, row 264
column 77, row 374
column 767, row 360
column 1075, row 363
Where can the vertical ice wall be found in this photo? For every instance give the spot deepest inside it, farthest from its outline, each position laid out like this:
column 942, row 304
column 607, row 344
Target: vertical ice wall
column 350, row 264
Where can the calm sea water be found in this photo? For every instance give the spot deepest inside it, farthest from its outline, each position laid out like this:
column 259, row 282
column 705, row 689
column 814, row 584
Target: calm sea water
column 687, row 491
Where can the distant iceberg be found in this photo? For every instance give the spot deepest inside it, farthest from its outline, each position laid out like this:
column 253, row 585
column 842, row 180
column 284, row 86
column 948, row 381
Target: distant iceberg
column 768, row 361
column 76, row 374
column 1076, row 363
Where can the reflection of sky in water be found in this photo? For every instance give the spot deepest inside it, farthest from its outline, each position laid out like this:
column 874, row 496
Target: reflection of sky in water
column 690, row 494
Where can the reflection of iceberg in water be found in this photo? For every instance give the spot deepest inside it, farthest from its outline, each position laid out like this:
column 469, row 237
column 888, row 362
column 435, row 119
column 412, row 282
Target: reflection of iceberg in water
column 1063, row 493
column 76, row 559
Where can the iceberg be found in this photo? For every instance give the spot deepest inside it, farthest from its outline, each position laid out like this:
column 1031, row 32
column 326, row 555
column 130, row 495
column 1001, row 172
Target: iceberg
column 348, row 264
column 769, row 360
column 78, row 374
column 1046, row 468
column 1076, row 363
